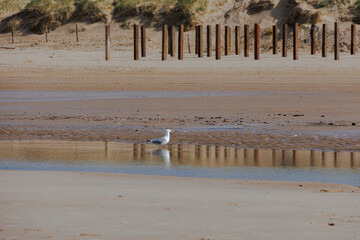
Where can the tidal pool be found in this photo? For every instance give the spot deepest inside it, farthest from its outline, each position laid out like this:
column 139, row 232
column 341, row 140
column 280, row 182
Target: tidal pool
column 182, row 160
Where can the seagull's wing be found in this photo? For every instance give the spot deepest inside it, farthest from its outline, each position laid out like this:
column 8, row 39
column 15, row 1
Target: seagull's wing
column 158, row 140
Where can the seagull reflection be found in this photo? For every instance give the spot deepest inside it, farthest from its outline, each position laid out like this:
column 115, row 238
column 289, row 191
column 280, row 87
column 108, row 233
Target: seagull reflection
column 165, row 155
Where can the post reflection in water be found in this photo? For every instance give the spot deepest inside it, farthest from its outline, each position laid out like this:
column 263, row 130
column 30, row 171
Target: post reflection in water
column 173, row 155
column 224, row 156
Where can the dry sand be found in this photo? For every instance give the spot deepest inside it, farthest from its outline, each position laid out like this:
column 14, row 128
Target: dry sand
column 63, row 205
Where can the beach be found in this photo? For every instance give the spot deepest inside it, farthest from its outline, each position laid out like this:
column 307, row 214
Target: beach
column 73, row 205
column 65, row 91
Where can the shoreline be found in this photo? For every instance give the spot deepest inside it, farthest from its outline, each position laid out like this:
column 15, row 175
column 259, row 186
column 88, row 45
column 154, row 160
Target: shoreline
column 153, row 207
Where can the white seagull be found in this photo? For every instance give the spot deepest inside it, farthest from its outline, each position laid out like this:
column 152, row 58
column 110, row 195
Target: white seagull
column 163, row 140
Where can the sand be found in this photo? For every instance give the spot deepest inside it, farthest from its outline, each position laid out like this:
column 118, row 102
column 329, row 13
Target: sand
column 72, row 205
column 257, row 104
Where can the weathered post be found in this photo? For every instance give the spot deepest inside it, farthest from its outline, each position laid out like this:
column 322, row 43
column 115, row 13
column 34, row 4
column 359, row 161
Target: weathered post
column 336, row 43
column 164, row 42
column 181, row 43
column 77, row 33
column 143, row 41
column 172, row 53
column 237, row 40
column 275, row 40
column 169, row 40
column 257, row 41
column 313, row 40
column 218, row 41
column 353, row 39
column 296, row 41
column 136, row 42
column 227, row 40
column 196, row 40
column 107, row 42
column 284, row 40
column 12, row 35
column 246, row 40
column 200, row 41
column 46, row 32
column 209, row 41
column 189, row 47
column 324, row 40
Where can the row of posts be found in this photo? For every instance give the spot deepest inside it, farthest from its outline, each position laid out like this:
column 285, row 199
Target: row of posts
column 168, row 41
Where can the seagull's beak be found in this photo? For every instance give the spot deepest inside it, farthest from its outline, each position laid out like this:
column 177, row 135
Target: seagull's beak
column 171, row 131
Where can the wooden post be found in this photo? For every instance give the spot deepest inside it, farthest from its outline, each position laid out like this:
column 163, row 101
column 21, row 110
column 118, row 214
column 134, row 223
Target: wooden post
column 237, row 40
column 189, row 47
column 164, row 42
column 275, row 40
column 324, row 41
column 218, row 41
column 227, row 40
column 209, row 41
column 107, row 42
column 296, row 41
column 172, row 53
column 284, row 40
column 196, row 40
column 257, row 41
column 336, row 44
column 46, row 32
column 143, row 41
column 181, row 43
column 200, row 41
column 353, row 39
column 77, row 33
column 246, row 40
column 136, row 42
column 313, row 40
column 169, row 40
column 12, row 35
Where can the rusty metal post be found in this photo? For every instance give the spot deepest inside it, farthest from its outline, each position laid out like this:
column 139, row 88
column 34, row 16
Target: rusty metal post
column 209, row 40
column 227, row 40
column 200, row 41
column 246, row 40
column 143, row 41
column 336, row 43
column 237, row 40
column 284, row 40
column 257, row 41
column 136, row 42
column 164, row 42
column 107, row 42
column 218, row 41
column 181, row 43
column 324, row 41
column 77, row 33
column 353, row 39
column 313, row 40
column 296, row 41
column 275, row 40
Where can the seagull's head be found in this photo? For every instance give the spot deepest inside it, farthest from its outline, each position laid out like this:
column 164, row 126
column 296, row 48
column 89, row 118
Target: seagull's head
column 169, row 131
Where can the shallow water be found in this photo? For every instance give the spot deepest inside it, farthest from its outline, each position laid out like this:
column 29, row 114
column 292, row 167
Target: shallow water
column 182, row 160
column 59, row 96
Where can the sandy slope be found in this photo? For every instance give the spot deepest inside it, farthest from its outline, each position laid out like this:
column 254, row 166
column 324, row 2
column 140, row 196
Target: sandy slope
column 63, row 205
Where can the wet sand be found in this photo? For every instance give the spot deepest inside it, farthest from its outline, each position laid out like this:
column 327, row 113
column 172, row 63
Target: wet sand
column 70, row 205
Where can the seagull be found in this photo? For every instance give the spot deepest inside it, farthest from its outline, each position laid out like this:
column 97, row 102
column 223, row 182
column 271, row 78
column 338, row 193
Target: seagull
column 163, row 140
